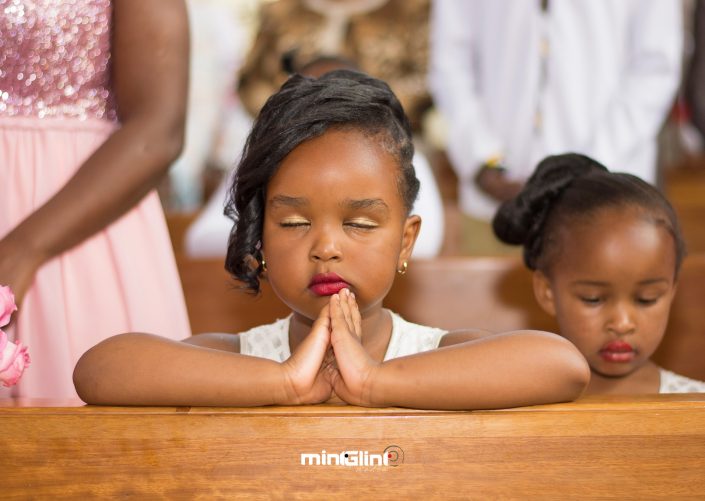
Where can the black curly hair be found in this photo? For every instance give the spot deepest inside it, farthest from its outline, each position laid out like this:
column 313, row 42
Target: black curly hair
column 305, row 108
column 569, row 186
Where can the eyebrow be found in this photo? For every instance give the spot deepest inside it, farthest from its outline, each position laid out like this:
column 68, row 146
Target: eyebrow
column 363, row 203
column 287, row 201
column 597, row 283
column 366, row 203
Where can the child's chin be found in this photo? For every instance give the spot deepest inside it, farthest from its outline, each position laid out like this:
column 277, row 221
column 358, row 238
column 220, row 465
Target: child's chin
column 612, row 369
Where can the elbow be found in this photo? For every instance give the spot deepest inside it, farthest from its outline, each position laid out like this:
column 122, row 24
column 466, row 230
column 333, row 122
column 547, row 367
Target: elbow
column 168, row 141
column 84, row 379
column 158, row 141
column 174, row 137
column 572, row 367
column 87, row 375
column 94, row 373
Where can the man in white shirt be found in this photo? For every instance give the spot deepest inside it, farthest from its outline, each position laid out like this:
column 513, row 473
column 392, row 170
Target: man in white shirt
column 695, row 81
column 517, row 80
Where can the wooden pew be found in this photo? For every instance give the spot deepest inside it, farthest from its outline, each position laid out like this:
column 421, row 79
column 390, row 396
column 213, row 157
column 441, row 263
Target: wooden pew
column 599, row 447
column 452, row 292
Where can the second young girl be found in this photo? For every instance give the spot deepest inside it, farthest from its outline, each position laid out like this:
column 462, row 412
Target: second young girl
column 322, row 200
column 606, row 249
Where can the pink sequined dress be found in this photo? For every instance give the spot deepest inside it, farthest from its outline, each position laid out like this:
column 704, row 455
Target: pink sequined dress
column 56, row 108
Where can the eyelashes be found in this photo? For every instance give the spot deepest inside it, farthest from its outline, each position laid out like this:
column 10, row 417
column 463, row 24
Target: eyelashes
column 355, row 224
column 595, row 301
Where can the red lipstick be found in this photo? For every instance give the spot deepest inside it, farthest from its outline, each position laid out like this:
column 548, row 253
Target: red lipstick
column 327, row 284
column 618, row 351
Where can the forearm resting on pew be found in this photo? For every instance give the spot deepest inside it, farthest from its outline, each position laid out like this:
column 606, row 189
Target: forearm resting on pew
column 500, row 371
column 143, row 369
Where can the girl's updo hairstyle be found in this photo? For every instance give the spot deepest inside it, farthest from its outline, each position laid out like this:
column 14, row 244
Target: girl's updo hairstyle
column 570, row 187
column 304, row 108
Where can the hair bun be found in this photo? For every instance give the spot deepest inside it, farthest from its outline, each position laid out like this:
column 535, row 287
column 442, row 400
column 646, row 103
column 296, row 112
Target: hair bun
column 519, row 220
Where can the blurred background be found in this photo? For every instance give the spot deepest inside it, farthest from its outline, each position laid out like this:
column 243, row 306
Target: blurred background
column 242, row 50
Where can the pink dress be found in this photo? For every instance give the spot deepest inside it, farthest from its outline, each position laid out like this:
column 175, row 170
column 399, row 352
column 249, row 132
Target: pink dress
column 56, row 108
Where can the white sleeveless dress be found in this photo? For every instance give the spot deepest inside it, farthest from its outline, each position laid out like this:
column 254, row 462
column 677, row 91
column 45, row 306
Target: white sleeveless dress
column 271, row 341
column 675, row 383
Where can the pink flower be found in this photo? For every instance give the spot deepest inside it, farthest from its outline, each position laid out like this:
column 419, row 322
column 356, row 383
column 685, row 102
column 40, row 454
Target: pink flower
column 13, row 357
column 13, row 360
column 7, row 304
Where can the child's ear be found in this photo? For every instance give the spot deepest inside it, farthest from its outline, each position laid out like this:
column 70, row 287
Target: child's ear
column 412, row 225
column 544, row 293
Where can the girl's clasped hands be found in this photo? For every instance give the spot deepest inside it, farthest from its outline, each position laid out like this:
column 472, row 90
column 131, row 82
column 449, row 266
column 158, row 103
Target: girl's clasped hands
column 331, row 363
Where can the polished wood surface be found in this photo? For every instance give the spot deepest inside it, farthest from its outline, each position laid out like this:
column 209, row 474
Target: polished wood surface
column 599, row 447
column 493, row 293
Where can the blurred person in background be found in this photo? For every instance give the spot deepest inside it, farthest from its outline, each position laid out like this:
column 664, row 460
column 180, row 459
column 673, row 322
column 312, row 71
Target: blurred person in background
column 387, row 39
column 518, row 80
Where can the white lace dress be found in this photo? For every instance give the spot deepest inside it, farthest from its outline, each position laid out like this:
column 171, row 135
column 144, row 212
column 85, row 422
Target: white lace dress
column 272, row 340
column 675, row 383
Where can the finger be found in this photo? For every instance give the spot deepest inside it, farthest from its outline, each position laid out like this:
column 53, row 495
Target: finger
column 337, row 316
column 312, row 350
column 356, row 317
column 341, row 328
column 345, row 308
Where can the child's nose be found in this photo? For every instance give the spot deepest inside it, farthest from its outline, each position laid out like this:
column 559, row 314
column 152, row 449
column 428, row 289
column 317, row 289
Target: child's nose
column 622, row 321
column 326, row 246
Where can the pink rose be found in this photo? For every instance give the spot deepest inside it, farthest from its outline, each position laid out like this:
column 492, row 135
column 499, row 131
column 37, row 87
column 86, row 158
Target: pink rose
column 7, row 305
column 13, row 360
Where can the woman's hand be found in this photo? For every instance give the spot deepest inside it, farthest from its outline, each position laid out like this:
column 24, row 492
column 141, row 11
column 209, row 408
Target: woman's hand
column 495, row 183
column 353, row 373
column 307, row 371
column 18, row 266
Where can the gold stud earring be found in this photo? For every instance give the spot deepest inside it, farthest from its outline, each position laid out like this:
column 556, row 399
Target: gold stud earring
column 264, row 266
column 402, row 270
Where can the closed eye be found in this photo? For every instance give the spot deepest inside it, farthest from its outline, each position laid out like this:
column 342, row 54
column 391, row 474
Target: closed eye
column 591, row 300
column 647, row 301
column 294, row 223
column 362, row 225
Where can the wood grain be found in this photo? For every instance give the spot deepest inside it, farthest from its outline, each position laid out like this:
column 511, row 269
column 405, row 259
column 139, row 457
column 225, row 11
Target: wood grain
column 598, row 447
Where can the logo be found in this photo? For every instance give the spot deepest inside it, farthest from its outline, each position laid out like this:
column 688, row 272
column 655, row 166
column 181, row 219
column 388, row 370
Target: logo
column 395, row 455
column 391, row 456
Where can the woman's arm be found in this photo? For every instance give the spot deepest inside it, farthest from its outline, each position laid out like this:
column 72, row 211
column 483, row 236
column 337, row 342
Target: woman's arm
column 469, row 371
column 143, row 369
column 150, row 78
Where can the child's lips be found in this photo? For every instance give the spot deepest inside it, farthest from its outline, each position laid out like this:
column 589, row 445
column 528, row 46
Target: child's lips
column 327, row 284
column 618, row 351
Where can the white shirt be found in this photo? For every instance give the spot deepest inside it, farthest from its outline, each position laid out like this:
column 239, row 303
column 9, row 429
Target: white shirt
column 600, row 74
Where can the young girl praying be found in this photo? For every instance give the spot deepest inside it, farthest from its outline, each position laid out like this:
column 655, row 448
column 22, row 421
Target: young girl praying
column 606, row 249
column 322, row 200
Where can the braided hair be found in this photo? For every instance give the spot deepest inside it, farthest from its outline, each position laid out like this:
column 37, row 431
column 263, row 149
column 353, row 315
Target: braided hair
column 304, row 108
column 566, row 187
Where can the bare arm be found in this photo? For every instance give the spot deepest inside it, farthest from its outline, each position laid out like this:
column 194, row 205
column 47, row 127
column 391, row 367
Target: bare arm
column 471, row 370
column 505, row 370
column 150, row 77
column 143, row 369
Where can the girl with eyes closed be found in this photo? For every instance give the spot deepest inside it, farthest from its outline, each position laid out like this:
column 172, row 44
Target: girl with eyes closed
column 606, row 249
column 323, row 201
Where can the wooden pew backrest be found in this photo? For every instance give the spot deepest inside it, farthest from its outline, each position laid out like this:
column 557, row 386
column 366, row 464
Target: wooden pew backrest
column 493, row 293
